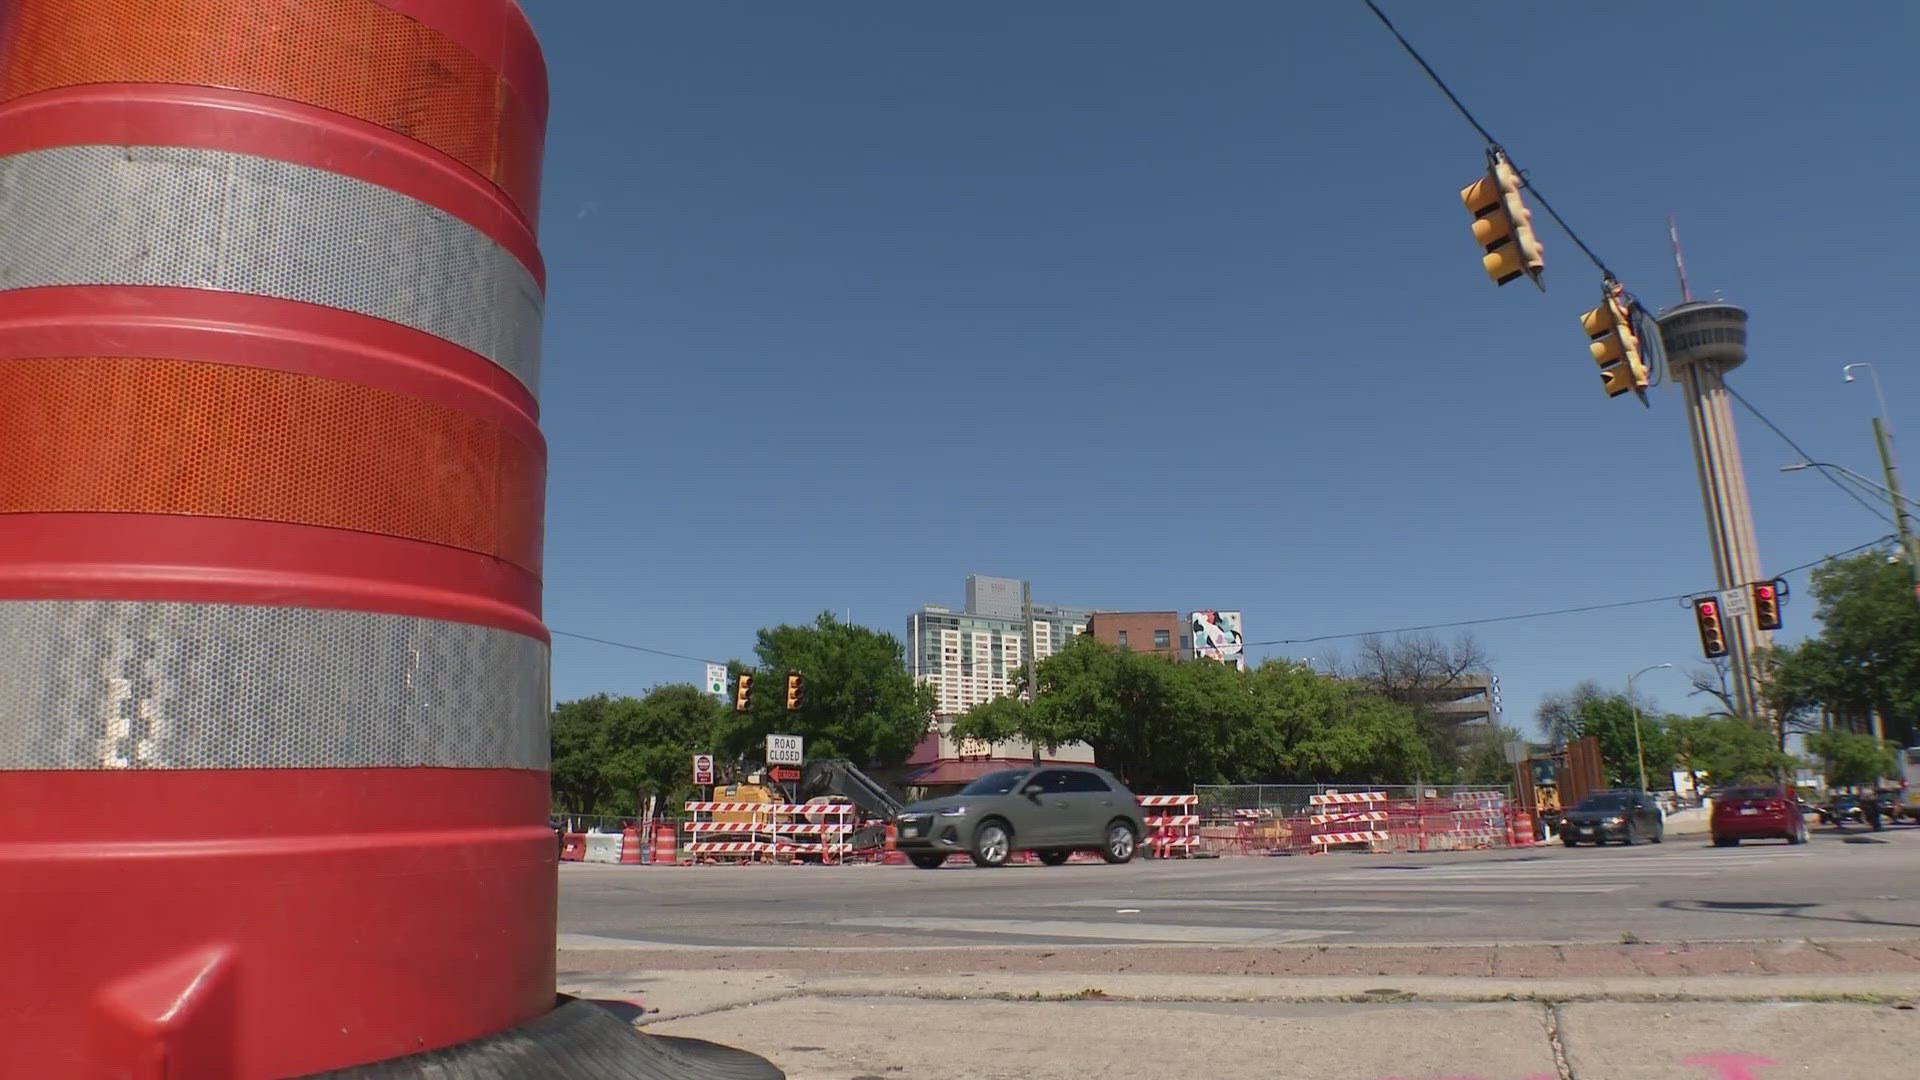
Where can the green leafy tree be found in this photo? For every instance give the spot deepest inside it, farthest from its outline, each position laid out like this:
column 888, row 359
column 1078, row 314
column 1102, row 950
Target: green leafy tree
column 1611, row 720
column 577, row 742
column 609, row 752
column 1849, row 758
column 1724, row 750
column 1866, row 658
column 858, row 702
column 1485, row 759
column 652, row 742
column 1165, row 726
column 1324, row 729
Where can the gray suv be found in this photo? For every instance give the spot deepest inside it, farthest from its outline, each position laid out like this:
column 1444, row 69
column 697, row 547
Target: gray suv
column 1053, row 811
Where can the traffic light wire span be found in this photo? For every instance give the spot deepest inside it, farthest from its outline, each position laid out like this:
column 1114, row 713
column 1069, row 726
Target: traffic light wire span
column 1681, row 597
column 1492, row 143
column 1806, row 457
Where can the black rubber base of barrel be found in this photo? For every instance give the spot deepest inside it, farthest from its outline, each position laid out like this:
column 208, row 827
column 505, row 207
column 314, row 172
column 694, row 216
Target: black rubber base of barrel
column 578, row 1040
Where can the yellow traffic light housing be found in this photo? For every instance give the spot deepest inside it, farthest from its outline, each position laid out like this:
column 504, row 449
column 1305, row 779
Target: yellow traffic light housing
column 1766, row 605
column 1615, row 346
column 1502, row 224
column 743, row 692
column 1713, row 636
column 795, row 687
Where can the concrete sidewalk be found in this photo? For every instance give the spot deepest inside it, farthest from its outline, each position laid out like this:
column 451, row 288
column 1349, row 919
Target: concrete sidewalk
column 1745, row 1011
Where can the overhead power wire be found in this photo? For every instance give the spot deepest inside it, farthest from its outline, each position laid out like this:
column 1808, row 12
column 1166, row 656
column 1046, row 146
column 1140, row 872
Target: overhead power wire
column 1355, row 634
column 1492, row 143
column 634, row 648
column 1806, row 457
column 1548, row 614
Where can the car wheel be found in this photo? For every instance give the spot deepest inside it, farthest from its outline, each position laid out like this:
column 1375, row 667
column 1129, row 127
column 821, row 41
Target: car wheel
column 1055, row 858
column 1122, row 841
column 928, row 860
column 1794, row 837
column 992, row 843
column 1628, row 838
column 1569, row 841
column 1726, row 841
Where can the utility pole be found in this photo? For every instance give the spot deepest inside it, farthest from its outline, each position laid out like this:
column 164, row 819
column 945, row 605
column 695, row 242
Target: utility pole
column 1883, row 441
column 1032, row 660
column 1902, row 522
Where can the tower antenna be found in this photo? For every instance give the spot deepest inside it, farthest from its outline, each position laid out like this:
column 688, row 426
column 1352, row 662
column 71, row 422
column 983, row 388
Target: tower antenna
column 1679, row 263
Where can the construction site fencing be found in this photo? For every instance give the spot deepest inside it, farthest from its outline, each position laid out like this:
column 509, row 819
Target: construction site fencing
column 1270, row 819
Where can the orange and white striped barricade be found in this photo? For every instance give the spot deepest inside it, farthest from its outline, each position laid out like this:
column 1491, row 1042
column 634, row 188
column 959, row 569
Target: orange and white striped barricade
column 630, row 846
column 734, row 837
column 1171, row 834
column 1342, row 818
column 799, row 829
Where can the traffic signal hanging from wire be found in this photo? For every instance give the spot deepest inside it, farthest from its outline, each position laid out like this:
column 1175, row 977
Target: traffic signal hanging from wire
column 1615, row 346
column 1502, row 224
column 1713, row 636
column 743, row 692
column 796, row 687
column 1766, row 605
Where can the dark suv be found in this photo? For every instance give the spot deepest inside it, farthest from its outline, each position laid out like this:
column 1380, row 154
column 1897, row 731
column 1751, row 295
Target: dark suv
column 1053, row 811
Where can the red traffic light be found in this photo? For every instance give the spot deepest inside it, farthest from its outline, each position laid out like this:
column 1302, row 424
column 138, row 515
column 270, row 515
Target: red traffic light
column 1713, row 637
column 1766, row 606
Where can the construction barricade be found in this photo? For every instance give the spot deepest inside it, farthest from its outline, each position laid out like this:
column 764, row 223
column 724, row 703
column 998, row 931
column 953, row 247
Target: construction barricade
column 758, row 832
column 1340, row 819
column 1171, row 835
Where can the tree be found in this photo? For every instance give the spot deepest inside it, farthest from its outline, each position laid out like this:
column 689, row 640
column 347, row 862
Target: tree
column 1165, row 726
column 1326, row 730
column 859, row 702
column 1485, row 761
column 611, row 752
column 1611, row 720
column 1724, row 750
column 652, row 742
column 1866, row 658
column 1422, row 672
column 1849, row 758
column 1562, row 716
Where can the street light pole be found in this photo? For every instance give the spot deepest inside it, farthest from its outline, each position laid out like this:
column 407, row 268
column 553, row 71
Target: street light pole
column 1638, row 749
column 1883, row 441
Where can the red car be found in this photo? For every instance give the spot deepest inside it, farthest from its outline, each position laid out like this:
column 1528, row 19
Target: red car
column 1757, row 813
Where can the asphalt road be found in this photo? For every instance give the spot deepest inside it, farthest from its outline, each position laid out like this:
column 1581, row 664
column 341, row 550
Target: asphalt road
column 1683, row 890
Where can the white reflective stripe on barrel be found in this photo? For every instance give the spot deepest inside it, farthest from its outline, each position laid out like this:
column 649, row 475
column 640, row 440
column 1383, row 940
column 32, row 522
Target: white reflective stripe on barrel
column 111, row 684
column 207, row 219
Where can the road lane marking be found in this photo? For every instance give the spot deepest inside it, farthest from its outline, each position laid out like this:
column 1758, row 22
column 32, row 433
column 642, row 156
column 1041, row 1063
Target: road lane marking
column 1116, row 931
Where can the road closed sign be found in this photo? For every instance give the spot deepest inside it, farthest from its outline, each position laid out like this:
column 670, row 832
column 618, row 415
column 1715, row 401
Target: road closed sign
column 785, row 750
column 703, row 770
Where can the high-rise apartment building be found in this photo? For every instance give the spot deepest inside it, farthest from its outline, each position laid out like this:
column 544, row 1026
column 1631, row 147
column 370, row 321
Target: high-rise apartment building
column 969, row 656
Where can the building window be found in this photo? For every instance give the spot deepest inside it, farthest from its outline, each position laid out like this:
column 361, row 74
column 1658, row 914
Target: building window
column 1161, row 639
column 1123, row 639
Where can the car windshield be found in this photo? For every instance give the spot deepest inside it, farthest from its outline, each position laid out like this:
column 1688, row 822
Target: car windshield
column 1603, row 802
column 995, row 783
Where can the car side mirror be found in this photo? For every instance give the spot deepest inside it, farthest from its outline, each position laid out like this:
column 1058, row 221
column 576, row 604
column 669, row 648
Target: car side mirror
column 1031, row 791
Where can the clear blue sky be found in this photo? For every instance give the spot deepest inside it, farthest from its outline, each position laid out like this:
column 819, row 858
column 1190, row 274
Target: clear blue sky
column 1168, row 305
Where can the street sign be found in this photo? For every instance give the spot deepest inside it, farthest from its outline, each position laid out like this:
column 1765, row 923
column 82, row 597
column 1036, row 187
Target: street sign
column 1733, row 604
column 703, row 770
column 783, row 774
column 785, row 750
column 717, row 680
